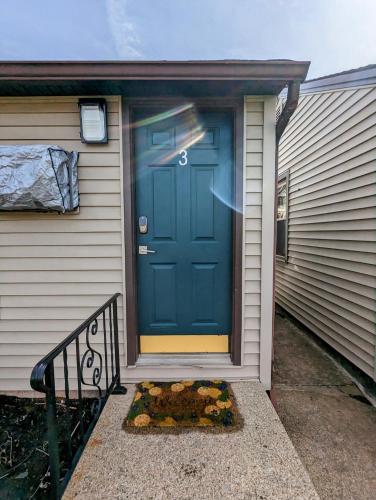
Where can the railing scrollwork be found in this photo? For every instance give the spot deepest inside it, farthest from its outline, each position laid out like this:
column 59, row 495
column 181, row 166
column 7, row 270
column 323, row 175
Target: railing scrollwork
column 93, row 350
column 88, row 361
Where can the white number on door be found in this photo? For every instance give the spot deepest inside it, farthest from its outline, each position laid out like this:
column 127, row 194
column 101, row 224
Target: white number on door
column 184, row 157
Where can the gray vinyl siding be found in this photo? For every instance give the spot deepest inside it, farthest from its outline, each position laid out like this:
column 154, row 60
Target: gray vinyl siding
column 329, row 281
column 55, row 270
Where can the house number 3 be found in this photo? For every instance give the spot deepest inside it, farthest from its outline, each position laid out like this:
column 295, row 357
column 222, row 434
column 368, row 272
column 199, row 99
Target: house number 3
column 183, row 157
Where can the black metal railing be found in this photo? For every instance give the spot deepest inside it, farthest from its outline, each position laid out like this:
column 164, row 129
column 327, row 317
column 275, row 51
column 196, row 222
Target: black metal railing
column 88, row 358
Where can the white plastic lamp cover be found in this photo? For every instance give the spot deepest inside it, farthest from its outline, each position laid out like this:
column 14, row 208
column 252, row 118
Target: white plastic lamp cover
column 93, row 122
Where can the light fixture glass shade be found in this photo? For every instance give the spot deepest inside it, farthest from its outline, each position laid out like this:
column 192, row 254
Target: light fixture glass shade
column 93, row 121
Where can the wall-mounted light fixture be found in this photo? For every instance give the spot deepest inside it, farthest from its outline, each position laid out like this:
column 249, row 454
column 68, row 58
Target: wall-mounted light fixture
column 93, row 120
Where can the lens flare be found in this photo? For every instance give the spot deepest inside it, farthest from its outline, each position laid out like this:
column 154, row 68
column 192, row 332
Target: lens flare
column 163, row 116
column 185, row 141
column 226, row 201
column 160, row 156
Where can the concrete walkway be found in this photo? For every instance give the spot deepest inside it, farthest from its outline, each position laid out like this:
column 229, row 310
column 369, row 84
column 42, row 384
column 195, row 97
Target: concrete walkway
column 258, row 462
column 332, row 426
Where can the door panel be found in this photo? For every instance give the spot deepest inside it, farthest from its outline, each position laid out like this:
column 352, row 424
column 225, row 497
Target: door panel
column 184, row 186
column 202, row 208
column 164, row 295
column 203, row 294
column 163, row 216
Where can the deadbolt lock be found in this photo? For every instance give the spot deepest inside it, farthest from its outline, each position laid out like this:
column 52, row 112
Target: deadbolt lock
column 143, row 224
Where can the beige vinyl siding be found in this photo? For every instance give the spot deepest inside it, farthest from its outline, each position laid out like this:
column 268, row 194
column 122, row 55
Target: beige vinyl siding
column 329, row 281
column 55, row 270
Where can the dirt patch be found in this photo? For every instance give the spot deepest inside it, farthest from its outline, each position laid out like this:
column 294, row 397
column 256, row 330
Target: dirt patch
column 94, row 442
column 24, row 469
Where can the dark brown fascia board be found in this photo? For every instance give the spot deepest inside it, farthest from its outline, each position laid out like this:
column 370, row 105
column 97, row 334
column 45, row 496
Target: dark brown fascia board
column 154, row 70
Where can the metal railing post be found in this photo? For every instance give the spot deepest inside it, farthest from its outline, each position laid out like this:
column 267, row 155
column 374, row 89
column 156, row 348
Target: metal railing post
column 119, row 389
column 52, row 431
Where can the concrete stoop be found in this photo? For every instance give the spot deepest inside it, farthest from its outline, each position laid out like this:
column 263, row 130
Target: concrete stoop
column 258, row 462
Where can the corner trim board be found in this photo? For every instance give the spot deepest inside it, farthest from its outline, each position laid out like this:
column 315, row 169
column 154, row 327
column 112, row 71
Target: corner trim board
column 267, row 243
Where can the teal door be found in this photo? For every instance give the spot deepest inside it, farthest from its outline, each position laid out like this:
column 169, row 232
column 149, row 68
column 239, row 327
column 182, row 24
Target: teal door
column 184, row 191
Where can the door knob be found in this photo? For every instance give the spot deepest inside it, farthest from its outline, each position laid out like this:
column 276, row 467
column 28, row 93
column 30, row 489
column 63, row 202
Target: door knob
column 143, row 250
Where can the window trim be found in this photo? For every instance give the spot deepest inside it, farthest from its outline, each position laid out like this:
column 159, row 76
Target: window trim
column 284, row 177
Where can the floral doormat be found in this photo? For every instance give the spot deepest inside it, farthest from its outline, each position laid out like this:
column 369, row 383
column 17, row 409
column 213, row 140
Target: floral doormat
column 181, row 406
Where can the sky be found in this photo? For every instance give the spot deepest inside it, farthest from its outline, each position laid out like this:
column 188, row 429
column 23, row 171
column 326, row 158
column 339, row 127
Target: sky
column 335, row 35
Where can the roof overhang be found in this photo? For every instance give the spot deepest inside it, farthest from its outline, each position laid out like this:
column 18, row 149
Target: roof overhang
column 139, row 78
column 357, row 77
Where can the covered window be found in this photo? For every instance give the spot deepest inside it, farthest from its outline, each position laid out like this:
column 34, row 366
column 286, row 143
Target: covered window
column 282, row 215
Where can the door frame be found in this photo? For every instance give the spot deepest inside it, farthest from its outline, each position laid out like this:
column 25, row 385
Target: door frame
column 236, row 106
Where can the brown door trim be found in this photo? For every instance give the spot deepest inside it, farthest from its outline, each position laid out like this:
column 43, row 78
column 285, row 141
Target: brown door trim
column 128, row 105
column 129, row 235
column 237, row 274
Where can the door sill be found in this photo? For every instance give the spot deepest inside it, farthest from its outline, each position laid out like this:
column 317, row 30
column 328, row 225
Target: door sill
column 202, row 360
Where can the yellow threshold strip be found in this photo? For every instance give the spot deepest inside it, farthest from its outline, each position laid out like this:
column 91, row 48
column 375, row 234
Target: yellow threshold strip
column 183, row 343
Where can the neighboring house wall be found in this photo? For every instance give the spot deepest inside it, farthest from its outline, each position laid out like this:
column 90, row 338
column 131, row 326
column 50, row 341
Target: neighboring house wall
column 329, row 281
column 55, row 270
